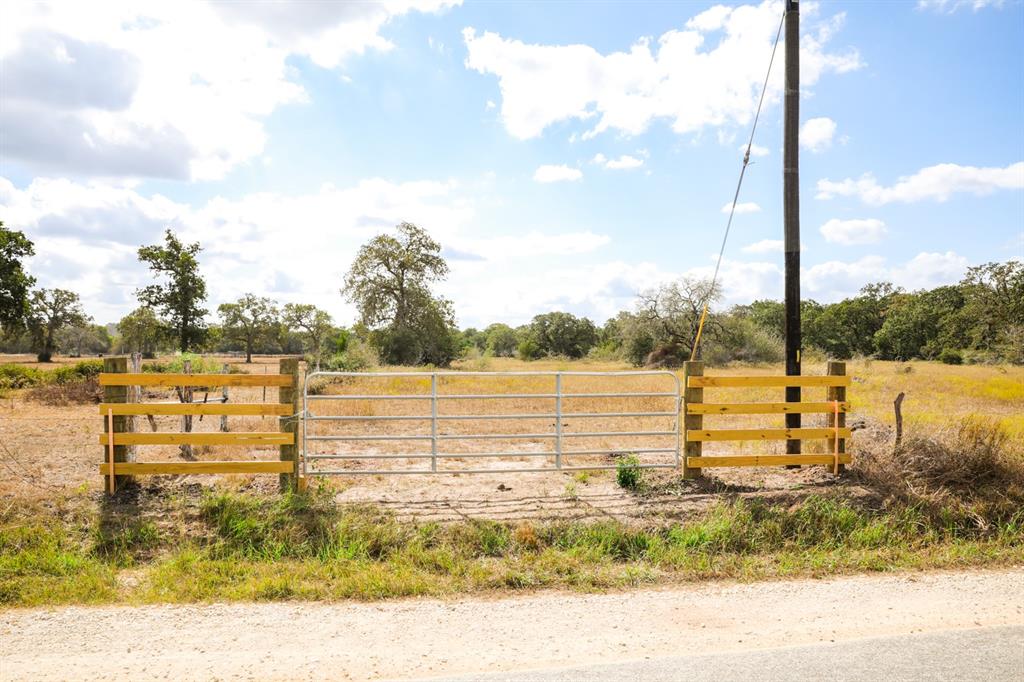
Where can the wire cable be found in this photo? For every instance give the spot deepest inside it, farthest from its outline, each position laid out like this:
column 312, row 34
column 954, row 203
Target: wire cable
column 736, row 196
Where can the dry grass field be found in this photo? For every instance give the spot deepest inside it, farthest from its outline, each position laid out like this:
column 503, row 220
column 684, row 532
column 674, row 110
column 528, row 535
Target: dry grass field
column 48, row 449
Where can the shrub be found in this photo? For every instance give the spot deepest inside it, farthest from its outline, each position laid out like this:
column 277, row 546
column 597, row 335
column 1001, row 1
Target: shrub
column 19, row 376
column 950, row 356
column 628, row 473
column 80, row 392
column 357, row 357
column 199, row 365
column 971, row 471
column 528, row 350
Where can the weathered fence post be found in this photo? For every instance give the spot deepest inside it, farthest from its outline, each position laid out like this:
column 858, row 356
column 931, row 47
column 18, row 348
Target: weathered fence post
column 116, row 394
column 694, row 368
column 134, row 396
column 185, row 396
column 290, row 395
column 837, row 393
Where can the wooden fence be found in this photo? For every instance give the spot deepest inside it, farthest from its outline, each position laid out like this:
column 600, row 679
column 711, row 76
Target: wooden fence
column 119, row 460
column 834, row 406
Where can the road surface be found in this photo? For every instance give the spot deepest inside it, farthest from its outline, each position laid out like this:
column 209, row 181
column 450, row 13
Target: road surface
column 908, row 626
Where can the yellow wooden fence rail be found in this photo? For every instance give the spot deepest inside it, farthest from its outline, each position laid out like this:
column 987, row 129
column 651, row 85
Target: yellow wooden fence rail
column 119, row 464
column 834, row 407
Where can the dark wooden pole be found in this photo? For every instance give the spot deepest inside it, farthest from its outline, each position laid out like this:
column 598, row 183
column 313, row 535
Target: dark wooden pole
column 791, row 209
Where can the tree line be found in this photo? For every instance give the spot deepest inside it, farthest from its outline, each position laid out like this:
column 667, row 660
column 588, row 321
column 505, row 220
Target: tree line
column 401, row 321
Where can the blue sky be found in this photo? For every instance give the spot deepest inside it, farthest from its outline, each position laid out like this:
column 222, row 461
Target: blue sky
column 566, row 155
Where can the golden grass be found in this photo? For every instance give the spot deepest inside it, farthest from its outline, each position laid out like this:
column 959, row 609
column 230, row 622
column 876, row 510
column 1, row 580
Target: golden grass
column 54, row 446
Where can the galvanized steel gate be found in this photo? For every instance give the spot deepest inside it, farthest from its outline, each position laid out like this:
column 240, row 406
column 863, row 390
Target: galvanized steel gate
column 562, row 408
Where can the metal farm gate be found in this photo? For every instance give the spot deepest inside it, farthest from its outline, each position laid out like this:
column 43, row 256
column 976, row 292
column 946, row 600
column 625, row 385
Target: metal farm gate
column 445, row 422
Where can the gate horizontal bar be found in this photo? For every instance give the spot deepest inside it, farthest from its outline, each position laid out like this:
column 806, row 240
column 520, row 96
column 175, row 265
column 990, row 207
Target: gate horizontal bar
column 764, row 434
column 368, row 437
column 488, row 396
column 379, row 472
column 459, row 417
column 765, row 408
column 595, row 434
column 451, row 455
column 494, row 436
column 764, row 460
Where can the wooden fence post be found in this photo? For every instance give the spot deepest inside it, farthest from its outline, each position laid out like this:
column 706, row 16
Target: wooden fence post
column 134, row 396
column 833, row 393
column 290, row 395
column 691, row 421
column 117, row 394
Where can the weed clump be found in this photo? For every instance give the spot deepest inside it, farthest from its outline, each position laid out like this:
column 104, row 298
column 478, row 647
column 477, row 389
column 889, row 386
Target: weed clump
column 971, row 473
column 628, row 473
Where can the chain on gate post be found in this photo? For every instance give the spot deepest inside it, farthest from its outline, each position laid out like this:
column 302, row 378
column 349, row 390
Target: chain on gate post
column 433, row 421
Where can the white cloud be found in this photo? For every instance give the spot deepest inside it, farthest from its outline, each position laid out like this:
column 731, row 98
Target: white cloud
column 765, row 246
column 950, row 6
column 179, row 90
column 708, row 74
column 937, row 183
column 755, row 150
column 87, row 235
column 852, row 232
column 929, row 270
column 835, row 280
column 742, row 207
column 816, row 134
column 550, row 173
column 490, row 105
column 624, row 162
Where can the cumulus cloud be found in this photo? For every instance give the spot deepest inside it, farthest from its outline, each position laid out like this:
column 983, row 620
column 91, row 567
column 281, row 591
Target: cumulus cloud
column 560, row 173
column 742, row 207
column 852, row 232
column 816, row 134
column 936, row 183
column 87, row 235
column 765, row 246
column 176, row 90
column 755, row 150
column 707, row 74
column 624, row 162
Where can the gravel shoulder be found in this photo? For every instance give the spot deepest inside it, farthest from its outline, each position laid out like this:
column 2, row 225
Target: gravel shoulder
column 414, row 639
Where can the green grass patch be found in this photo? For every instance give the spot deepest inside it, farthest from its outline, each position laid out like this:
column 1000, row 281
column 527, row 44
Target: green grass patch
column 242, row 547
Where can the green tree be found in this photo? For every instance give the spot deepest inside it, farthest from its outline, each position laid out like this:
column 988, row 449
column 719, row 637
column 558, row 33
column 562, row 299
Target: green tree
column 848, row 328
column 501, row 340
column 15, row 283
column 671, row 315
column 179, row 299
column 389, row 283
column 50, row 311
column 141, row 331
column 559, row 333
column 84, row 339
column 914, row 324
column 993, row 311
column 314, row 324
column 250, row 320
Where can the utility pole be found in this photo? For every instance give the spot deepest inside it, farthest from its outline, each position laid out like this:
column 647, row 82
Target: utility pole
column 791, row 209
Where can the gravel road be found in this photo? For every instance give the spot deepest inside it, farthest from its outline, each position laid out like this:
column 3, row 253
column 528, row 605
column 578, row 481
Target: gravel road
column 412, row 639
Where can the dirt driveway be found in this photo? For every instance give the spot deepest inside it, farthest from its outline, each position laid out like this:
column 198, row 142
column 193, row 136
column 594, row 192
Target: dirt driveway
column 423, row 638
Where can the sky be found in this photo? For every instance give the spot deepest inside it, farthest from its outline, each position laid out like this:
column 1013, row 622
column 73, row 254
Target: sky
column 566, row 155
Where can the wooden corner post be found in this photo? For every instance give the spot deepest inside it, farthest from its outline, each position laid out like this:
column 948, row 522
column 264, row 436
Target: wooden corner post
column 290, row 395
column 117, row 423
column 837, row 394
column 692, row 368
